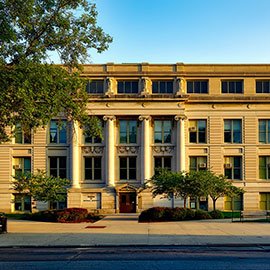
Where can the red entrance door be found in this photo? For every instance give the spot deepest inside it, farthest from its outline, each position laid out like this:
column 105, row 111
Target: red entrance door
column 127, row 202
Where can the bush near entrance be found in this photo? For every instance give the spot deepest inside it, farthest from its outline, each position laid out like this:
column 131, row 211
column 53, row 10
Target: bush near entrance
column 159, row 214
column 68, row 215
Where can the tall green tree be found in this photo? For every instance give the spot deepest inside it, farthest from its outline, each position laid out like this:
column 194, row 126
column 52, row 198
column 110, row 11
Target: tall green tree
column 33, row 90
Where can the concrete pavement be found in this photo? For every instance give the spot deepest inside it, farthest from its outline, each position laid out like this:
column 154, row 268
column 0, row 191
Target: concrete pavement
column 124, row 229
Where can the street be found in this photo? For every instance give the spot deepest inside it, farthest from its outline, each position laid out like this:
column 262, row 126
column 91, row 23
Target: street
column 185, row 257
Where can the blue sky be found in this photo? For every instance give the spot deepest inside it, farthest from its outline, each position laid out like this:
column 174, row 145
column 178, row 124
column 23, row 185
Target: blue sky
column 189, row 31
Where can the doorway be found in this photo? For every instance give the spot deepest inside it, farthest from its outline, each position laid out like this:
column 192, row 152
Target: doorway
column 127, row 202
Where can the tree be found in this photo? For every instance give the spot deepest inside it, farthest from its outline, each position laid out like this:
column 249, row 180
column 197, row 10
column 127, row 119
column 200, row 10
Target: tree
column 166, row 183
column 41, row 187
column 32, row 89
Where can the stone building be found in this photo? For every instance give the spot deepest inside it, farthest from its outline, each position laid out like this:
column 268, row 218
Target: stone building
column 178, row 116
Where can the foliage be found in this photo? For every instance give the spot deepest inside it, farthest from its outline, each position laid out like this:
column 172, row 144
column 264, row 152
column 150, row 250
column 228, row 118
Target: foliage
column 216, row 214
column 41, row 187
column 72, row 215
column 201, row 214
column 33, row 92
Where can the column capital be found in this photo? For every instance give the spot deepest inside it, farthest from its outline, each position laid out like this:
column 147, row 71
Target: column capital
column 109, row 117
column 145, row 117
column 180, row 117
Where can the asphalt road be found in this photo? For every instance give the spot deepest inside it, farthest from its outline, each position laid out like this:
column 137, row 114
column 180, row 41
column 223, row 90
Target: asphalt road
column 140, row 258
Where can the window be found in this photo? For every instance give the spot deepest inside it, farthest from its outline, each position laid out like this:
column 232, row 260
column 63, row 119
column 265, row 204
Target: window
column 197, row 87
column 92, row 168
column 232, row 87
column 128, row 168
column 58, row 132
column 197, row 131
column 162, row 87
column 163, row 131
column 163, row 162
column 233, row 168
column 263, row 87
column 264, row 201
column 128, row 131
column 233, row 203
column 58, row 166
column 21, row 136
column 197, row 163
column 22, row 165
column 95, row 87
column 22, row 203
column 264, row 131
column 128, row 87
column 264, row 167
column 233, row 131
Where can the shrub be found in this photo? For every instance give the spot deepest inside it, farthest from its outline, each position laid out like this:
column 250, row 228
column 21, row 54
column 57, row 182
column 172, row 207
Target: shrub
column 201, row 214
column 47, row 216
column 216, row 214
column 190, row 214
column 152, row 214
column 178, row 214
column 72, row 215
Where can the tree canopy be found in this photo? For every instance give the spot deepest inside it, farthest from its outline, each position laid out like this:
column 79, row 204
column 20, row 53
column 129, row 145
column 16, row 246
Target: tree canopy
column 33, row 89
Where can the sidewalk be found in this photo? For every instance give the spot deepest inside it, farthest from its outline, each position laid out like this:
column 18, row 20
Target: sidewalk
column 115, row 230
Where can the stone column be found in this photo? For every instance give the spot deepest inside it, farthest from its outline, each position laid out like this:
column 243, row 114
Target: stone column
column 110, row 149
column 145, row 148
column 75, row 152
column 180, row 143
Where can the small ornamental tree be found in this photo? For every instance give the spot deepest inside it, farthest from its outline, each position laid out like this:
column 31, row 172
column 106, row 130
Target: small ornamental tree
column 41, row 187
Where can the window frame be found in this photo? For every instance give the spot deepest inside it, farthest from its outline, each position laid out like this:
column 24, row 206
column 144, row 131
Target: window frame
column 265, row 167
column 59, row 130
column 266, row 132
column 232, row 132
column 232, row 201
column 58, row 167
column 128, row 169
column 162, row 132
column 229, row 83
column 263, row 82
column 198, row 162
column 124, row 91
column 168, row 86
column 94, row 82
column 93, row 169
column 197, row 132
column 163, row 158
column 25, row 138
column 233, row 167
column 266, row 201
column 191, row 85
column 128, row 131
column 22, row 164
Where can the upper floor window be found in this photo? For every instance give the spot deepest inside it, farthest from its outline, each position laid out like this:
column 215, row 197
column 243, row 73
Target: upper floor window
column 58, row 166
column 163, row 131
column 22, row 165
column 232, row 87
column 162, row 87
column 128, row 168
column 197, row 87
column 95, row 87
column 21, row 136
column 128, row 87
column 128, row 131
column 233, row 168
column 163, row 162
column 264, row 131
column 58, row 131
column 233, row 131
column 263, row 86
column 264, row 167
column 197, row 163
column 92, row 168
column 197, row 131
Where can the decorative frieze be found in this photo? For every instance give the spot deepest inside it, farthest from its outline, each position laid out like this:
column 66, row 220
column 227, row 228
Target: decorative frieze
column 127, row 149
column 93, row 150
column 163, row 149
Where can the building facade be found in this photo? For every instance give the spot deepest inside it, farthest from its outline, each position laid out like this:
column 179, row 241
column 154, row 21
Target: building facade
column 177, row 116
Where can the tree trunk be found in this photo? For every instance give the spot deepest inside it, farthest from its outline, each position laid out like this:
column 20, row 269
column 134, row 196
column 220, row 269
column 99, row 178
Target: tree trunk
column 172, row 200
column 185, row 202
column 214, row 204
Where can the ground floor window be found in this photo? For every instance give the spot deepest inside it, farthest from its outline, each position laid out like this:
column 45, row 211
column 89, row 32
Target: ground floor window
column 264, row 168
column 163, row 162
column 22, row 202
column 59, row 204
column 128, row 168
column 233, row 203
column 264, row 201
